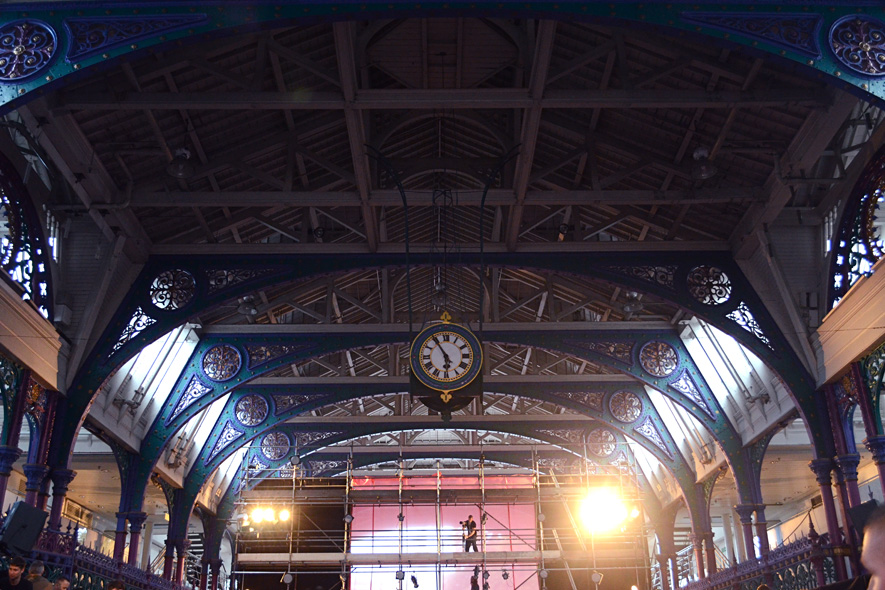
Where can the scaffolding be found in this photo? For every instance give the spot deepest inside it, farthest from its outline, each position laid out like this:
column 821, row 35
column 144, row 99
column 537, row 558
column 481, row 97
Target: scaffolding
column 321, row 539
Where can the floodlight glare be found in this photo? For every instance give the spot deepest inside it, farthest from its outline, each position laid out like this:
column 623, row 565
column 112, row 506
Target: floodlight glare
column 603, row 510
column 269, row 515
column 284, row 515
column 257, row 515
column 634, row 513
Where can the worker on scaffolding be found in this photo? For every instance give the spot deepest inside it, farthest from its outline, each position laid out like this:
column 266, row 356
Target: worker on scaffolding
column 469, row 528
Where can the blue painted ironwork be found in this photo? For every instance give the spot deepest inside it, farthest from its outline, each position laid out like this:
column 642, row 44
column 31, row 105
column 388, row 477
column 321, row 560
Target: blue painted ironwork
column 659, row 359
column 26, row 49
column 24, row 256
column 858, row 42
column 172, row 289
column 790, row 30
column 857, row 246
column 90, row 36
column 221, row 363
column 251, row 410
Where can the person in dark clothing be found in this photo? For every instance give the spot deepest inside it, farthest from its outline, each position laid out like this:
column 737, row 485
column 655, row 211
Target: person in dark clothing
column 474, row 583
column 469, row 534
column 35, row 576
column 12, row 578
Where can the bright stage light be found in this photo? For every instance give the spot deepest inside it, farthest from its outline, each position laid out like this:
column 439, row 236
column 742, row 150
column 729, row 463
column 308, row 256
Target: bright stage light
column 603, row 510
column 634, row 513
column 257, row 515
column 284, row 515
column 269, row 515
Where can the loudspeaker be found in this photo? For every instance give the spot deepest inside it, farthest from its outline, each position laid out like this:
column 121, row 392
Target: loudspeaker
column 22, row 527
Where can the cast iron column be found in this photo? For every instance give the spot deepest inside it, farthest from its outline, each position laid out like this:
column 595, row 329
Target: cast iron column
column 35, row 475
column 876, row 446
column 697, row 544
column 120, row 537
column 762, row 530
column 8, row 457
column 169, row 558
column 821, row 469
column 61, row 479
column 745, row 513
column 215, row 565
column 136, row 522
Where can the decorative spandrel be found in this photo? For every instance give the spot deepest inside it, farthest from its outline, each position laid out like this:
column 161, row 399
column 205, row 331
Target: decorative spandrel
column 572, row 435
column 138, row 322
column 172, row 289
column 858, row 42
column 275, row 445
column 309, row 439
column 658, row 358
column 687, row 387
column 709, row 285
column 222, row 362
column 93, row 35
column 796, row 31
column 651, row 432
column 591, row 399
column 284, row 403
column 621, row 351
column 743, row 317
column 625, row 406
column 26, row 48
column 195, row 390
column 601, row 442
column 251, row 410
column 258, row 354
column 662, row 275
column 220, row 279
column 228, row 435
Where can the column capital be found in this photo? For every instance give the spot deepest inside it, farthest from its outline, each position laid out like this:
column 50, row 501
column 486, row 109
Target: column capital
column 215, row 565
column 697, row 540
column 821, row 469
column 35, row 474
column 745, row 512
column 136, row 521
column 876, row 446
column 61, row 479
column 8, row 457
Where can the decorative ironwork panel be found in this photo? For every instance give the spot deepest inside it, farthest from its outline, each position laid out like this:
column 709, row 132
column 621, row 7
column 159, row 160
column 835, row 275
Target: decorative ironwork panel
column 90, row 35
column 858, row 42
column 625, row 406
column 658, row 358
column 195, row 390
column 284, row 403
column 256, row 465
column 306, row 439
column 743, row 317
column 275, row 445
column 26, row 48
column 621, row 351
column 223, row 278
column 572, row 435
column 173, row 289
column 35, row 404
column 650, row 431
column 138, row 322
column 258, row 354
column 791, row 30
column 286, row 472
column 662, row 275
column 591, row 399
column 709, row 285
column 251, row 410
column 601, row 442
column 687, row 387
column 222, row 362
column 228, row 435
column 331, row 467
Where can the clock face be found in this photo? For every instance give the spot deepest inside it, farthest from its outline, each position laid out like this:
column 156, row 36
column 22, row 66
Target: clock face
column 446, row 357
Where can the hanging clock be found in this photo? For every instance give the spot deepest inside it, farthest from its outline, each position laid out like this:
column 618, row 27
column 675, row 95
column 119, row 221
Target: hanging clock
column 445, row 357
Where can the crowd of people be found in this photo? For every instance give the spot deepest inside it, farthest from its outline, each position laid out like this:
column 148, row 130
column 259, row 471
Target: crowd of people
column 15, row 578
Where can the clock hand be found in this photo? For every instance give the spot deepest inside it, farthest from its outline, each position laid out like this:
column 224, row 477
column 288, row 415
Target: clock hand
column 448, row 361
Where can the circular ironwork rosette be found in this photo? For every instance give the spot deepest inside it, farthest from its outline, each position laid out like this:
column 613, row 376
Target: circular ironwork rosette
column 625, row 406
column 26, row 48
column 251, row 410
column 658, row 358
column 222, row 362
column 275, row 445
column 173, row 289
column 601, row 442
column 858, row 42
column 709, row 285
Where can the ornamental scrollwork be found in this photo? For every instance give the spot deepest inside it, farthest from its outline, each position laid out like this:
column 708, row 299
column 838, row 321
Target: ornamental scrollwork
column 621, row 351
column 591, row 399
column 858, row 42
column 195, row 390
column 709, row 285
column 661, row 275
column 743, row 317
column 306, row 439
column 92, row 35
column 275, row 445
column 687, row 387
column 284, row 403
column 259, row 354
column 219, row 279
column 625, row 406
column 651, row 432
column 137, row 323
column 26, row 48
column 228, row 435
column 658, row 358
column 251, row 410
column 572, row 435
column 601, row 442
column 222, row 362
column 172, row 289
column 795, row 31
column 331, row 467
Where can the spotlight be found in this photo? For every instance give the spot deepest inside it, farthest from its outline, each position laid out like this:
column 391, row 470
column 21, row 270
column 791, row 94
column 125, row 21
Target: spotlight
column 634, row 513
column 542, row 574
column 348, row 518
column 294, row 460
column 400, row 575
column 603, row 510
column 269, row 515
column 505, row 574
column 596, row 578
column 414, row 581
column 257, row 515
column 485, row 575
column 284, row 516
column 287, row 578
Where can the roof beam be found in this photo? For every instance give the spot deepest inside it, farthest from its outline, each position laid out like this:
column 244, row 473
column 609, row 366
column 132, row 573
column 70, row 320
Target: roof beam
column 343, row 329
column 464, row 98
column 391, row 198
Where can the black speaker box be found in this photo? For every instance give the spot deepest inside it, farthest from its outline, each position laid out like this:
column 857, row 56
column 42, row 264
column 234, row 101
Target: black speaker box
column 22, row 527
column 861, row 513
